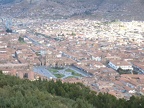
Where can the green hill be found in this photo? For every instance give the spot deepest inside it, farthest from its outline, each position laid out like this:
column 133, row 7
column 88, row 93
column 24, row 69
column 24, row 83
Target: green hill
column 18, row 93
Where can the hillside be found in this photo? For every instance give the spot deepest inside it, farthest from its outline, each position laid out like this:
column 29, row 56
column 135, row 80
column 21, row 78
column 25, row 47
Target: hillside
column 17, row 93
column 9, row 1
column 6, row 1
column 100, row 9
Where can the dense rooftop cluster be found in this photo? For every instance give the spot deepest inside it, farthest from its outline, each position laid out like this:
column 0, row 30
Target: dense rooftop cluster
column 110, row 54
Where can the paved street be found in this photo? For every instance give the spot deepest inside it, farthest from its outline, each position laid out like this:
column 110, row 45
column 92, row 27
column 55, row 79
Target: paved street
column 43, row 71
column 80, row 71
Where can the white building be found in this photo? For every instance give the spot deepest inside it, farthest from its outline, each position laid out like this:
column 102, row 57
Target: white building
column 120, row 64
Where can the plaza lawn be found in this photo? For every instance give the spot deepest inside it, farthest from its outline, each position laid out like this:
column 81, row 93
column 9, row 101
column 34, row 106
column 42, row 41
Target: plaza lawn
column 76, row 74
column 73, row 72
column 58, row 68
column 59, row 75
column 53, row 70
column 70, row 70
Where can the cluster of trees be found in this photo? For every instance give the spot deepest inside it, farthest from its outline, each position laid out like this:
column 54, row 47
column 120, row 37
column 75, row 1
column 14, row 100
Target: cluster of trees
column 121, row 71
column 21, row 39
column 18, row 93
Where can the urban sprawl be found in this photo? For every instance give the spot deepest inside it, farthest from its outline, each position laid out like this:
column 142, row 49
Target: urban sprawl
column 107, row 56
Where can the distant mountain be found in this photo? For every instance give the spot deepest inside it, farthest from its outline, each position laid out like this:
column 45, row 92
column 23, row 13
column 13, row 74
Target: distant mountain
column 100, row 9
column 121, row 9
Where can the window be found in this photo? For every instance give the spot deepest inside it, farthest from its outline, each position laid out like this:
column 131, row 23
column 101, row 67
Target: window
column 25, row 75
